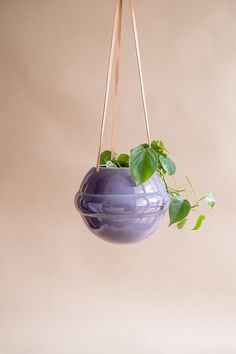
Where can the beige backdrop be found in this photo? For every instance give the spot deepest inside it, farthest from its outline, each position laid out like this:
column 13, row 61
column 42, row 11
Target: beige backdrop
column 63, row 291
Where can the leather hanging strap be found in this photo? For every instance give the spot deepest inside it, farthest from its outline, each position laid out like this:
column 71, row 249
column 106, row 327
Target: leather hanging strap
column 115, row 41
column 140, row 68
column 108, row 80
column 117, row 72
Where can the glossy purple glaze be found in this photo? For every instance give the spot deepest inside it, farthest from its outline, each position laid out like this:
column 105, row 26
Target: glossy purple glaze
column 117, row 210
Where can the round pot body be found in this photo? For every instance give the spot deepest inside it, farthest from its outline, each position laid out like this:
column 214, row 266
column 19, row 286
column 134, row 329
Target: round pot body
column 117, row 210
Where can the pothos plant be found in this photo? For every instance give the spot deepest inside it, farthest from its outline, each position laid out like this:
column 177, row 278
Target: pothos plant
column 143, row 161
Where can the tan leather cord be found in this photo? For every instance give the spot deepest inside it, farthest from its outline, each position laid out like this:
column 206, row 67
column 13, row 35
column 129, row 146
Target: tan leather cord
column 108, row 80
column 115, row 41
column 139, row 67
column 117, row 71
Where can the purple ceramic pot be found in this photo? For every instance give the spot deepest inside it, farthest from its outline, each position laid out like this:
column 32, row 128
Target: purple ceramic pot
column 117, row 210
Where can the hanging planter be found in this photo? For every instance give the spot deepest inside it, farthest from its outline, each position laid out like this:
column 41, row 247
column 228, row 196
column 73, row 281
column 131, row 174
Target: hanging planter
column 124, row 199
column 117, row 210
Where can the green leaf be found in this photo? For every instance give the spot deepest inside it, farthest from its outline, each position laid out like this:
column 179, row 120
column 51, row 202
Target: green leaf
column 145, row 145
column 199, row 222
column 123, row 160
column 167, row 164
column 178, row 210
column 105, row 156
column 110, row 164
column 181, row 223
column 210, row 200
column 157, row 145
column 143, row 163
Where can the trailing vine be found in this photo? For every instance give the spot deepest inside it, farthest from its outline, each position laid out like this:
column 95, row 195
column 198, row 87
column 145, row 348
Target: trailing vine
column 143, row 161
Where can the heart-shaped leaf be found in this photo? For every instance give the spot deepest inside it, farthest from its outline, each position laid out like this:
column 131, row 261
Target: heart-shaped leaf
column 178, row 210
column 105, row 156
column 210, row 200
column 123, row 160
column 143, row 163
column 199, row 222
column 167, row 164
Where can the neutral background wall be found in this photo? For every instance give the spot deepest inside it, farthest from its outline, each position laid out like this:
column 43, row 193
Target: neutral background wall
column 63, row 291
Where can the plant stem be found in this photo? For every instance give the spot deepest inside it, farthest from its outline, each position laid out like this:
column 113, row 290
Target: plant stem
column 196, row 205
column 176, row 186
column 194, row 191
column 177, row 191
